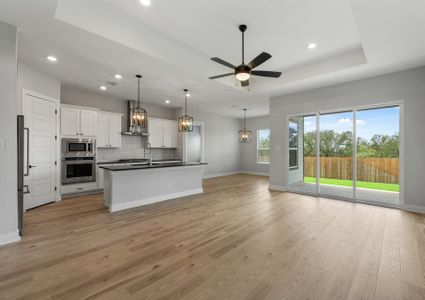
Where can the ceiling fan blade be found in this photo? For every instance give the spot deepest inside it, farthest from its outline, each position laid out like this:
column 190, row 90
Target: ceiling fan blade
column 260, row 59
column 266, row 74
column 245, row 83
column 222, row 62
column 219, row 76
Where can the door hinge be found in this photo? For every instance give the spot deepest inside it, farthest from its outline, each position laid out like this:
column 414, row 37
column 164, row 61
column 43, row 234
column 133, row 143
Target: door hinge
column 56, row 111
column 56, row 163
column 56, row 137
column 56, row 188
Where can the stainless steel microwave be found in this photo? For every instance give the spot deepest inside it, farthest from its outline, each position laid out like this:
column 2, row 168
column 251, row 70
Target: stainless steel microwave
column 78, row 147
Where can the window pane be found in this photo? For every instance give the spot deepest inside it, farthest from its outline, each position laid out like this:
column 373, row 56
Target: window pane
column 293, row 158
column 263, row 145
column 378, row 154
column 293, row 134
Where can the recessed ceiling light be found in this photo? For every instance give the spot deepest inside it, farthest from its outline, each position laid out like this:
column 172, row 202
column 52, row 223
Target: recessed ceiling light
column 145, row 2
column 102, row 87
column 187, row 95
column 51, row 58
column 167, row 101
column 118, row 76
column 312, row 45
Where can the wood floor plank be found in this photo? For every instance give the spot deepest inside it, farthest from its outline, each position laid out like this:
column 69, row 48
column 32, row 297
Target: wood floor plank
column 237, row 240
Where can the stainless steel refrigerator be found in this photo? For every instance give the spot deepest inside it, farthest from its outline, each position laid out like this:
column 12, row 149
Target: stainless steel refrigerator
column 22, row 143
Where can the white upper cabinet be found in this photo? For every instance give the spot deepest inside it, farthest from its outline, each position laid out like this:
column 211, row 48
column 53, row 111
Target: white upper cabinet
column 170, row 133
column 156, row 132
column 78, row 122
column 162, row 133
column 70, row 120
column 115, row 130
column 88, row 122
column 109, row 130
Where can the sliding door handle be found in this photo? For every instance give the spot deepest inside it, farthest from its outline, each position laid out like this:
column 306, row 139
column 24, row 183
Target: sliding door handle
column 27, row 171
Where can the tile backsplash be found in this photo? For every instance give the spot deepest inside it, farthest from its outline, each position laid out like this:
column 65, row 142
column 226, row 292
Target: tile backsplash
column 133, row 147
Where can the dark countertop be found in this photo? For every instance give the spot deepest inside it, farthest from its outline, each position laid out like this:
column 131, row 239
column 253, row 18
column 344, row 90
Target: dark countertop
column 137, row 160
column 127, row 167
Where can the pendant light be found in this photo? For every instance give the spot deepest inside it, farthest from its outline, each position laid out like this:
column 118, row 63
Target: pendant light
column 185, row 121
column 138, row 115
column 245, row 135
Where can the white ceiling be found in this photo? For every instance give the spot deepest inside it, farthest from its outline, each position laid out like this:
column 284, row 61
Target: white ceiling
column 170, row 44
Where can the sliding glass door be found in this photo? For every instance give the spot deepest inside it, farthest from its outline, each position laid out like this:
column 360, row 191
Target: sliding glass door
column 378, row 139
column 336, row 154
column 302, row 158
column 351, row 154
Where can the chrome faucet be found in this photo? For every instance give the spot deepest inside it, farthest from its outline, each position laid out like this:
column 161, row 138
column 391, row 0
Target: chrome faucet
column 148, row 147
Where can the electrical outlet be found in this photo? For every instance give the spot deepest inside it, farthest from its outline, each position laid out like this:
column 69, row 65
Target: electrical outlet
column 2, row 144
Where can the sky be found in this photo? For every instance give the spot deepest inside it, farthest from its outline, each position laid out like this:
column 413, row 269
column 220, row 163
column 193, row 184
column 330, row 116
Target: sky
column 369, row 122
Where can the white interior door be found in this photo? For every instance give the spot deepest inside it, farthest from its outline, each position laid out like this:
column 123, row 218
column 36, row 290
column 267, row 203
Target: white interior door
column 40, row 119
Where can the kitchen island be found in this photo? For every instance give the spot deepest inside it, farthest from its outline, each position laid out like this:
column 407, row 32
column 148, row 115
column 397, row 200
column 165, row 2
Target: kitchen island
column 132, row 185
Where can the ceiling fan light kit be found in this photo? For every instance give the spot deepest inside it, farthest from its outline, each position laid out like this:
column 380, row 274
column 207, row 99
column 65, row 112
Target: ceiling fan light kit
column 243, row 72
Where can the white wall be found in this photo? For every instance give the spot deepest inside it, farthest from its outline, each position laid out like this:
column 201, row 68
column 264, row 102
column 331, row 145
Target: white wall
column 222, row 149
column 249, row 150
column 33, row 80
column 408, row 86
column 8, row 133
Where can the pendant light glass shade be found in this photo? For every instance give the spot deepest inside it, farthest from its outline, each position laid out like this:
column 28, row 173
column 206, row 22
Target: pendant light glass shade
column 138, row 115
column 245, row 135
column 185, row 122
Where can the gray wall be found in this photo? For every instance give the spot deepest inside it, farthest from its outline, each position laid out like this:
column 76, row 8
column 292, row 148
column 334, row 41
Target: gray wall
column 8, row 133
column 408, row 86
column 249, row 150
column 132, row 146
column 222, row 150
column 31, row 79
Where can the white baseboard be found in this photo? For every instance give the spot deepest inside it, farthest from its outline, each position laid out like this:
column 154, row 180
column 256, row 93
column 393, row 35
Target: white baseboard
column 277, row 188
column 141, row 202
column 10, row 237
column 207, row 176
column 413, row 208
column 255, row 173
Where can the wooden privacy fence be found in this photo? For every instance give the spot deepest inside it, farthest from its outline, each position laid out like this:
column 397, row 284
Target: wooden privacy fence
column 374, row 169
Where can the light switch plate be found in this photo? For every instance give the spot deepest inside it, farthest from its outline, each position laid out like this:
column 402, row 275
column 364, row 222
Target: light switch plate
column 2, row 144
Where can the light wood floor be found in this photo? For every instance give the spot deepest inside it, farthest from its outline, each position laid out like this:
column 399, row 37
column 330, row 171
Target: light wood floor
column 236, row 241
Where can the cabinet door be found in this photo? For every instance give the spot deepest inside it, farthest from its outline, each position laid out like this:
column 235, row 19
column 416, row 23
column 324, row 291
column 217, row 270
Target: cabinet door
column 88, row 122
column 170, row 134
column 115, row 131
column 156, row 133
column 70, row 121
column 102, row 136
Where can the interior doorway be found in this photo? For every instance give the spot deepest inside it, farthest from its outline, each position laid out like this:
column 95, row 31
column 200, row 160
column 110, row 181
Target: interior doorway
column 194, row 144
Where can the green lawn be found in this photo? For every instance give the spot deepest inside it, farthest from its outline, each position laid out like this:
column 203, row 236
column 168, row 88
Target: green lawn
column 360, row 184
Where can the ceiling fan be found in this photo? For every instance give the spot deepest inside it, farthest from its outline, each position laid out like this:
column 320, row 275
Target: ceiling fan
column 244, row 71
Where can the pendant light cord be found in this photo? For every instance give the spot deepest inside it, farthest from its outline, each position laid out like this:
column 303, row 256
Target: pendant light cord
column 244, row 118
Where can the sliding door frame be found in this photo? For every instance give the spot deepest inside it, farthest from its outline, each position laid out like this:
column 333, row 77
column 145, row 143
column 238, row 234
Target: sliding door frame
column 354, row 110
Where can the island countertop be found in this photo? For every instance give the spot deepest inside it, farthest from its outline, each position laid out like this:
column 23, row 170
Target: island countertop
column 139, row 166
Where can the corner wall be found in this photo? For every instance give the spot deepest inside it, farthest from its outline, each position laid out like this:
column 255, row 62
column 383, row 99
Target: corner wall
column 8, row 134
column 407, row 86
